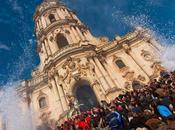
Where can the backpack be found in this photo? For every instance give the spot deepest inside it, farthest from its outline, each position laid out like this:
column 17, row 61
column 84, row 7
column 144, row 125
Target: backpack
column 115, row 120
column 164, row 111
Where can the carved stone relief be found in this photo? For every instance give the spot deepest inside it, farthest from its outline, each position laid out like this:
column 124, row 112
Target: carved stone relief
column 157, row 69
column 75, row 69
column 127, row 86
column 129, row 75
column 52, row 72
column 126, row 47
column 147, row 55
column 141, row 78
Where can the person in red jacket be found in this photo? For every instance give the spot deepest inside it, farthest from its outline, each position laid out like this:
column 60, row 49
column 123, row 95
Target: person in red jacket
column 83, row 124
column 88, row 120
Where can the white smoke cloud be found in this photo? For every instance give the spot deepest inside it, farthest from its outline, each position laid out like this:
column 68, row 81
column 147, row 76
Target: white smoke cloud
column 168, row 57
column 15, row 6
column 11, row 111
column 4, row 47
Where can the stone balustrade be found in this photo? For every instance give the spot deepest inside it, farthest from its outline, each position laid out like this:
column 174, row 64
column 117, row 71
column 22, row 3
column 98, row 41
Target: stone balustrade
column 38, row 80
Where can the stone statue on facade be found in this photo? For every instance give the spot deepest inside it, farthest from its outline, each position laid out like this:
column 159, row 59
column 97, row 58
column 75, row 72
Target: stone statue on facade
column 74, row 106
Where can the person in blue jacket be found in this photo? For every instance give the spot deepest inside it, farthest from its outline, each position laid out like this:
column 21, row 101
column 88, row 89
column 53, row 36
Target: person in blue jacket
column 115, row 120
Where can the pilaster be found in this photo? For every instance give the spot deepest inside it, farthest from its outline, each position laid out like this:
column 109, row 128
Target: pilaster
column 60, row 85
column 47, row 47
column 104, row 73
column 56, row 96
column 100, row 76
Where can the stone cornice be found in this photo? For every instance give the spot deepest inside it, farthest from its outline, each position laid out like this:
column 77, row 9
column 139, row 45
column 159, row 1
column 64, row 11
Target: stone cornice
column 129, row 39
column 67, row 52
column 54, row 25
column 102, row 51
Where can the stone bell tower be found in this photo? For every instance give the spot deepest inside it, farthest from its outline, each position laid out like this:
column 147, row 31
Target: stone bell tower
column 56, row 27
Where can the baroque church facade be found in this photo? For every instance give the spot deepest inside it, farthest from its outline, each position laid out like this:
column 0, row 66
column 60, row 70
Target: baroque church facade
column 77, row 67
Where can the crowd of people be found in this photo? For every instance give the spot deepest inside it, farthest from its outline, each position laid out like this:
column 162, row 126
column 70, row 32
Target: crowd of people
column 150, row 108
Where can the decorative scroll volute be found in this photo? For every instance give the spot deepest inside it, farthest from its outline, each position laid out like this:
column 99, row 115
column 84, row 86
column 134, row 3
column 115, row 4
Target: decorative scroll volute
column 129, row 75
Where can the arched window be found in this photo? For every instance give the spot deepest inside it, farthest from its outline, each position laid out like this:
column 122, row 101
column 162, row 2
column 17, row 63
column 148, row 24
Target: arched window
column 42, row 102
column 52, row 18
column 120, row 64
column 61, row 41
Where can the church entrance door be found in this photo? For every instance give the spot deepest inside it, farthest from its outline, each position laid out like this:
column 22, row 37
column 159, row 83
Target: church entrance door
column 85, row 96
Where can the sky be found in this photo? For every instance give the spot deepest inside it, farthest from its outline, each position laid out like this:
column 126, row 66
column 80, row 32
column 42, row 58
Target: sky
column 18, row 56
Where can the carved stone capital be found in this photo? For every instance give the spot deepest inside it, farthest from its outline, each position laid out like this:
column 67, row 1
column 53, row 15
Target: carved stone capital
column 147, row 55
column 129, row 75
column 101, row 56
column 157, row 69
column 77, row 77
column 95, row 82
column 127, row 86
column 126, row 47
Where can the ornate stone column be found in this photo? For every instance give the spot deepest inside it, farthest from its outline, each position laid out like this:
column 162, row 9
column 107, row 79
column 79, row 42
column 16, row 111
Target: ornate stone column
column 41, row 54
column 56, row 96
column 60, row 14
column 45, row 50
column 63, row 12
column 47, row 21
column 100, row 76
column 43, row 22
column 88, row 35
column 137, row 61
column 68, row 14
column 98, row 90
column 105, row 74
column 134, row 57
column 72, row 36
column 47, row 47
column 37, row 26
column 53, row 45
column 61, row 92
column 40, row 24
column 111, row 74
column 75, row 33
column 80, row 33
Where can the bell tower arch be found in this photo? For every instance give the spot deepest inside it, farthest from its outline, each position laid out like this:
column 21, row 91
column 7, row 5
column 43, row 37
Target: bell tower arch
column 57, row 27
column 61, row 40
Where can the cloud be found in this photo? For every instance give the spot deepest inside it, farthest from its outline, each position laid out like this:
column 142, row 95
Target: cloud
column 168, row 57
column 16, row 7
column 4, row 47
column 155, row 2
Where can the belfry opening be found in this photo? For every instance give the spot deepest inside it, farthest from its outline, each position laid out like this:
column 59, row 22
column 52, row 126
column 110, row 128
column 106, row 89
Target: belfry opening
column 85, row 95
